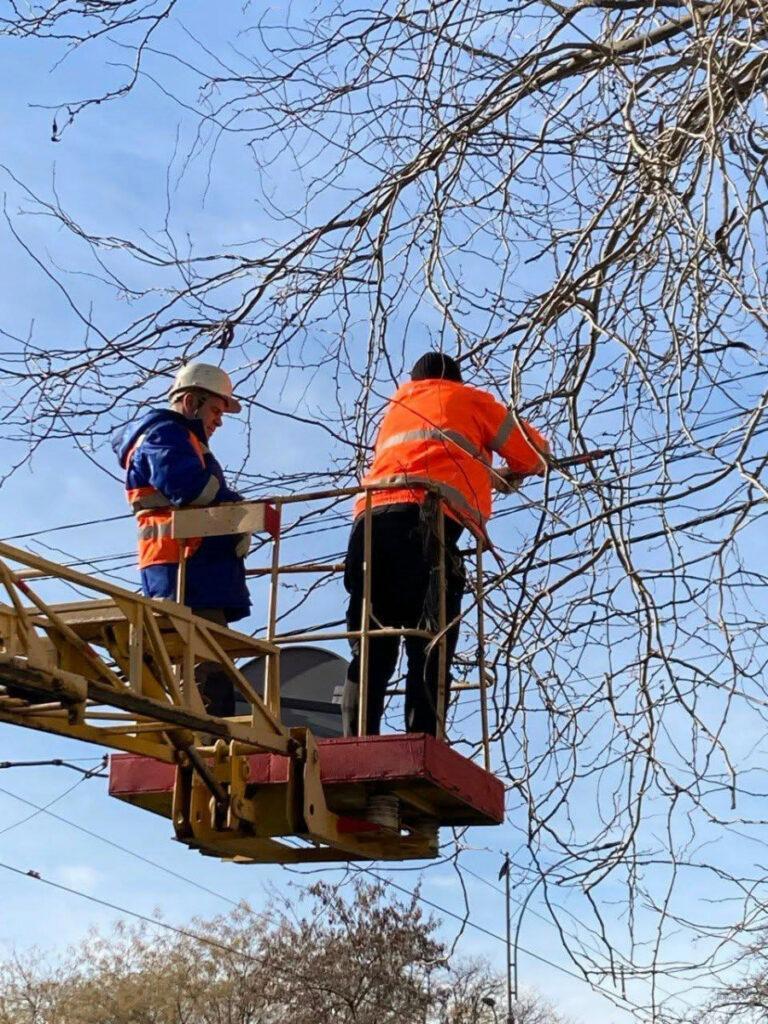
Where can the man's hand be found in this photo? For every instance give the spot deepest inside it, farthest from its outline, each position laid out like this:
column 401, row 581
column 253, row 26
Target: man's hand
column 505, row 481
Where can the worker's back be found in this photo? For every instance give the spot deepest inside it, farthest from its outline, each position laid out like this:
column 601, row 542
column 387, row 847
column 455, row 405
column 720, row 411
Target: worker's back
column 443, row 433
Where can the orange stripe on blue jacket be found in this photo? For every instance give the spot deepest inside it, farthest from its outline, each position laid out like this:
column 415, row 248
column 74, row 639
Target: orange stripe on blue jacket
column 168, row 465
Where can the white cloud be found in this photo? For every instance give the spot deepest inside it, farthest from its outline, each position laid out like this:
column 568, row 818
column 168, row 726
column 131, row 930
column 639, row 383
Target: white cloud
column 78, row 876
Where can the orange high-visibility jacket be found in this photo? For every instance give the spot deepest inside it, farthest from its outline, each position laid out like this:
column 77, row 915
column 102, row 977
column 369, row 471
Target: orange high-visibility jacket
column 442, row 433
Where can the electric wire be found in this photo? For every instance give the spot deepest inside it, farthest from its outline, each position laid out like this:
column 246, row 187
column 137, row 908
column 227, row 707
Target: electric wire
column 94, row 773
column 645, row 441
column 341, row 518
column 117, row 846
column 356, row 868
column 67, row 526
column 94, row 835
column 685, row 455
column 38, row 877
column 147, row 919
column 546, row 920
column 174, row 874
column 40, row 809
column 57, row 762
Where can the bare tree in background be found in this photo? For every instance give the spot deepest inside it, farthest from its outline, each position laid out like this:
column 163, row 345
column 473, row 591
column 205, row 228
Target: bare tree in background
column 367, row 959
column 573, row 197
column 743, row 1000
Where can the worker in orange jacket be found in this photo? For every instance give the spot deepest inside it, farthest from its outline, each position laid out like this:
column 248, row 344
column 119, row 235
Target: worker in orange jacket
column 440, row 432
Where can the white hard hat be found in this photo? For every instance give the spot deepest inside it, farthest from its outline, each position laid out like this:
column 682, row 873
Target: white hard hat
column 207, row 378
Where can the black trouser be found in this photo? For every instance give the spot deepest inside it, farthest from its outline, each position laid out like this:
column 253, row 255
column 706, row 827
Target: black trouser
column 404, row 593
column 215, row 686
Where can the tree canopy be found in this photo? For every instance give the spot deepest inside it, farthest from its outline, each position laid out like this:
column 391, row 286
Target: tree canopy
column 366, row 959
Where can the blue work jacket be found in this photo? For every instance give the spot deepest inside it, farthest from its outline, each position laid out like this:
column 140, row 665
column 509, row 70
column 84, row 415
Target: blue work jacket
column 167, row 464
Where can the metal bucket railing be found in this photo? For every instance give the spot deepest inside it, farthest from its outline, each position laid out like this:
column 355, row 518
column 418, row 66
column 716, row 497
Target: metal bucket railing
column 368, row 630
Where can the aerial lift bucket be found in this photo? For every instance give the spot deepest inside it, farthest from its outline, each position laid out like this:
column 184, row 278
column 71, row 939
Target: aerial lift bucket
column 119, row 671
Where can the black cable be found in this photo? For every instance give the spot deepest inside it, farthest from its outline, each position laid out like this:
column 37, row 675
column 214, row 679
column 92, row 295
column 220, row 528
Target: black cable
column 38, row 809
column 57, row 762
column 548, row 921
column 647, row 441
column 68, row 526
column 36, row 876
column 114, row 845
column 680, row 446
column 125, row 910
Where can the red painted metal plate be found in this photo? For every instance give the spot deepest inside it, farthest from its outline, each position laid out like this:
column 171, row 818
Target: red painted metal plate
column 416, row 767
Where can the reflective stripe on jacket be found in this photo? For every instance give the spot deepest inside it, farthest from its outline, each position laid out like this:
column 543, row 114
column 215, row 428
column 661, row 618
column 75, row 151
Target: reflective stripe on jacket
column 168, row 465
column 443, row 434
column 154, row 512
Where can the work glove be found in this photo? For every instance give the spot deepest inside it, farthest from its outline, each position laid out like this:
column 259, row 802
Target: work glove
column 506, row 482
column 242, row 545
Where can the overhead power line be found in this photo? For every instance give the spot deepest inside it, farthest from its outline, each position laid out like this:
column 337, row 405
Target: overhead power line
column 44, row 809
column 116, row 846
column 68, row 526
column 95, row 835
column 57, row 762
column 183, row 878
column 213, row 943
column 722, row 418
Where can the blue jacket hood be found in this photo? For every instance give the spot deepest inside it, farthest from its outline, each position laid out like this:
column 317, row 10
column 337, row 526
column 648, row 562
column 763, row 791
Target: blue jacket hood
column 124, row 438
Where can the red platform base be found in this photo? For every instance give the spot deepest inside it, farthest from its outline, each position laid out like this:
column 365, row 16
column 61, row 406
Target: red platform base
column 430, row 779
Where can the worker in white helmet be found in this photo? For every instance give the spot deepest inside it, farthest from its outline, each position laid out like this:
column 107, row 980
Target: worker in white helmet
column 168, row 464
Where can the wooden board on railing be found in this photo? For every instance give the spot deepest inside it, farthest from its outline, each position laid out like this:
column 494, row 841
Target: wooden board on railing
column 220, row 520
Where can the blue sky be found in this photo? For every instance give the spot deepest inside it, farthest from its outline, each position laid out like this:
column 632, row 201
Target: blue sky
column 111, row 170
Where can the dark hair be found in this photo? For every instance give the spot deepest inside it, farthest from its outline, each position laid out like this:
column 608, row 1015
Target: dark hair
column 436, row 366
